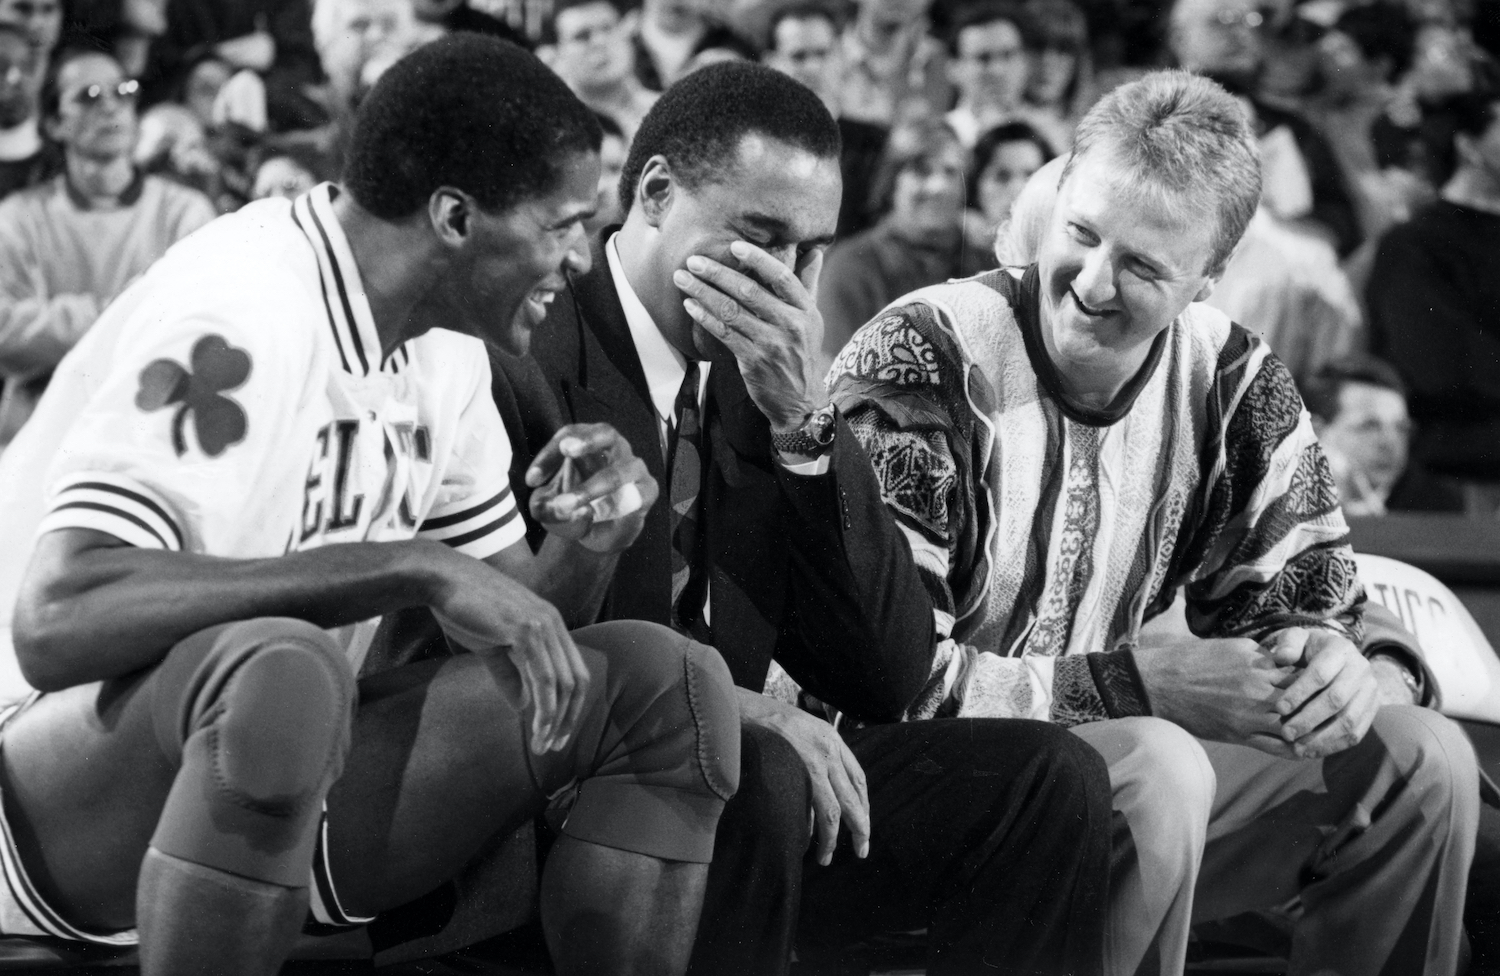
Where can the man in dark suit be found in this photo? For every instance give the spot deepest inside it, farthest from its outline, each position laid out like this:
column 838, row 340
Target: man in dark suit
column 695, row 335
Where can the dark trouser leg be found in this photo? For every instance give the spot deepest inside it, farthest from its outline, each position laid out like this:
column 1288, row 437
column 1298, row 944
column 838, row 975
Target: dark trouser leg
column 1482, row 911
column 440, row 765
column 755, row 882
column 992, row 833
column 217, row 760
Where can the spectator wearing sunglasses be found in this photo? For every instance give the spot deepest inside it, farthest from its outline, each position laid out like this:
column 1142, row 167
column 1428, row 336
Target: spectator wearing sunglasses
column 70, row 245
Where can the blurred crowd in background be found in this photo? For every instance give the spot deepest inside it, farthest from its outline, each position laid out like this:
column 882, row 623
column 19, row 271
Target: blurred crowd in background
column 1372, row 268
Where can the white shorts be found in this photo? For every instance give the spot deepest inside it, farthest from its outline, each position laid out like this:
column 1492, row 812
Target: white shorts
column 23, row 912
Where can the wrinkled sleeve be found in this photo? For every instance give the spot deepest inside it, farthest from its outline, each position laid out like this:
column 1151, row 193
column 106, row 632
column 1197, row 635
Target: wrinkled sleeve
column 1272, row 550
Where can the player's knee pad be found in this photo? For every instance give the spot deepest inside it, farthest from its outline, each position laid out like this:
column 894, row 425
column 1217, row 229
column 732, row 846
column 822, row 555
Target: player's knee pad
column 666, row 755
column 681, row 699
column 259, row 713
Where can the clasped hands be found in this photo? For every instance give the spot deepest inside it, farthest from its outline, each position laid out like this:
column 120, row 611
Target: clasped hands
column 1303, row 693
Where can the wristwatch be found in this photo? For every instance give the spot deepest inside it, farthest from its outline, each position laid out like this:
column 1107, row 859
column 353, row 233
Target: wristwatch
column 813, row 439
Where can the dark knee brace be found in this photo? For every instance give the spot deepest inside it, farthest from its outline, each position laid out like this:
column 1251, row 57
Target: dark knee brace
column 666, row 753
column 258, row 715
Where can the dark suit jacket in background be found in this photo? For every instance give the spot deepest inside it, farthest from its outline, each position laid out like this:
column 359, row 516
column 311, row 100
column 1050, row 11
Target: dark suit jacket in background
column 809, row 570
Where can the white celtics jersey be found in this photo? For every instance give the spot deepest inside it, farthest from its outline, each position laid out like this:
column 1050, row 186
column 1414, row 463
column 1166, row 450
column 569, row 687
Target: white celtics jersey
column 235, row 402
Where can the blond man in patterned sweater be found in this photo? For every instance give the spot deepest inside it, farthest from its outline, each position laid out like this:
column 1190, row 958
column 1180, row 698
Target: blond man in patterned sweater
column 1068, row 445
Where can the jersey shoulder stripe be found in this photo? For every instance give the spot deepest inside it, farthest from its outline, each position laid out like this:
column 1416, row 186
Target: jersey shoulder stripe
column 117, row 505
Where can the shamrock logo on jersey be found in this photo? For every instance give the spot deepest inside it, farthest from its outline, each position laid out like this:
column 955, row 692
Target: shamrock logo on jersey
column 215, row 367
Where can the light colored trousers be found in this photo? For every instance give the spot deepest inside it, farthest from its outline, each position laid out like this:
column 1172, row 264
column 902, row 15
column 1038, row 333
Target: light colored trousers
column 1376, row 840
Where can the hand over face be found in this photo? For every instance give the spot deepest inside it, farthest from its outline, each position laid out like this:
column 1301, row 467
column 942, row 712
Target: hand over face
column 765, row 315
column 604, row 505
column 839, row 793
column 1334, row 698
column 1224, row 690
column 488, row 612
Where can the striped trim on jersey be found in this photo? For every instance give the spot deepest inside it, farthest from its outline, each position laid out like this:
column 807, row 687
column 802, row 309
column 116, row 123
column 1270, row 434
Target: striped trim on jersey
column 115, row 504
column 349, row 317
column 477, row 530
column 42, row 919
column 322, row 897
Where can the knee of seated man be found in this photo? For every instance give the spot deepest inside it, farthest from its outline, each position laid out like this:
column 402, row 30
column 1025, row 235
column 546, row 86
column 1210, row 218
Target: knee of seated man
column 774, row 792
column 1168, row 766
column 1430, row 752
column 671, row 694
column 269, row 703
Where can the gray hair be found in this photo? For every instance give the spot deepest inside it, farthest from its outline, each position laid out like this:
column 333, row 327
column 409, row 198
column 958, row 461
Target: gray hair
column 1188, row 140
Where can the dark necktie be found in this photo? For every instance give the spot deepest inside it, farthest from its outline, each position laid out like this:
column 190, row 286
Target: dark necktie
column 685, row 467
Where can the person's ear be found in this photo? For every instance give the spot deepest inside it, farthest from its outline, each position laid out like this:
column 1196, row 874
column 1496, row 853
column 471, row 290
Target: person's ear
column 655, row 190
column 1208, row 287
column 451, row 213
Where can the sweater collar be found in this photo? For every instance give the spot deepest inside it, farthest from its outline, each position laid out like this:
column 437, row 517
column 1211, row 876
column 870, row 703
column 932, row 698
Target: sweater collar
column 129, row 198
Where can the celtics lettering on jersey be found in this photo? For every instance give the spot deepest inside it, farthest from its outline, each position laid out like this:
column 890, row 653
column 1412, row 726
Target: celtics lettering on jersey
column 334, row 501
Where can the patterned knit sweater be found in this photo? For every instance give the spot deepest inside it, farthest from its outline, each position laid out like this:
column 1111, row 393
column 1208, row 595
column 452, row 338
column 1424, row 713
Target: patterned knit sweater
column 1048, row 533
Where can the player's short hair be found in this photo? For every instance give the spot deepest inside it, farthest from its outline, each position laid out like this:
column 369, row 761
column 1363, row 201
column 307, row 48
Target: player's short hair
column 1382, row 29
column 802, row 10
column 991, row 12
column 697, row 125
column 1187, row 141
column 468, row 111
column 1322, row 392
column 1000, row 135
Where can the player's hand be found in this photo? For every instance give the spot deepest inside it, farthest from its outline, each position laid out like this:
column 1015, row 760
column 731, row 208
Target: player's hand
column 839, row 794
column 766, row 316
column 488, row 612
column 591, row 488
column 1330, row 705
column 1224, row 690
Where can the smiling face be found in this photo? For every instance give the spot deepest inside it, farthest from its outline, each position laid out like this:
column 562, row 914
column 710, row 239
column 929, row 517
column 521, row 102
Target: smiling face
column 782, row 199
column 514, row 262
column 1116, row 269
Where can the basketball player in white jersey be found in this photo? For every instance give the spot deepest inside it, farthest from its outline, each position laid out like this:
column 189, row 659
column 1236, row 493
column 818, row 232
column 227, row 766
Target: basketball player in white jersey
column 281, row 433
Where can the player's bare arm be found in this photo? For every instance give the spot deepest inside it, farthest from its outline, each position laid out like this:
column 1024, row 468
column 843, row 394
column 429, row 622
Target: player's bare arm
column 92, row 608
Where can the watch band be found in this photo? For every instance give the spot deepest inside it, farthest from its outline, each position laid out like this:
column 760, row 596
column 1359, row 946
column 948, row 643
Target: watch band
column 812, row 439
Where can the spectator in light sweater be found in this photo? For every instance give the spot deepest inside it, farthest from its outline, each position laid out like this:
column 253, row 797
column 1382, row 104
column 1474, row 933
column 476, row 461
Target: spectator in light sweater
column 70, row 245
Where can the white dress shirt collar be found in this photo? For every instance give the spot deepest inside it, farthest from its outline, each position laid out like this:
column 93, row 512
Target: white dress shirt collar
column 663, row 365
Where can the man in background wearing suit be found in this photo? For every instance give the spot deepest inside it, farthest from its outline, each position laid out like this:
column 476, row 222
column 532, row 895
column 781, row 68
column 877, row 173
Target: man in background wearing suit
column 695, row 335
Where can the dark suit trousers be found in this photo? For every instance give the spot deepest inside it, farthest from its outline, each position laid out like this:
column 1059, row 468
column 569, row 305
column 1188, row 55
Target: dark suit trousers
column 992, row 834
